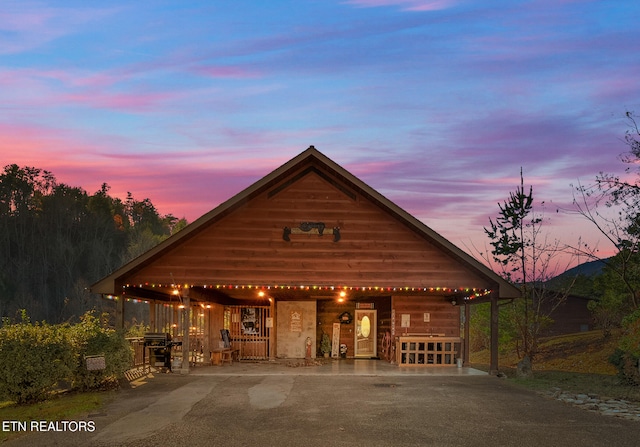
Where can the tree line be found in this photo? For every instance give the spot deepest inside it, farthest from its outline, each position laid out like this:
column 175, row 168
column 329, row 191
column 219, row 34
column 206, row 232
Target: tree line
column 56, row 240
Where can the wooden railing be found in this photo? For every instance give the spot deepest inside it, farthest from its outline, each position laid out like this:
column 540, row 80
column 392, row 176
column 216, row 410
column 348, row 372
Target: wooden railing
column 137, row 344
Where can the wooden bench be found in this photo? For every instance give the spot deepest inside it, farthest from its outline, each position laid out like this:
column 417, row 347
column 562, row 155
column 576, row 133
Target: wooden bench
column 226, row 353
column 221, row 355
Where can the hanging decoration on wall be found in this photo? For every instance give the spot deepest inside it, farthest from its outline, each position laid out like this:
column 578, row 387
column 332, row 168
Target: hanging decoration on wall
column 310, row 228
column 295, row 321
column 345, row 317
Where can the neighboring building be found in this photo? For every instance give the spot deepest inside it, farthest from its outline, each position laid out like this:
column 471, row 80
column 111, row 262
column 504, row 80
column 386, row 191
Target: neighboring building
column 570, row 316
column 310, row 249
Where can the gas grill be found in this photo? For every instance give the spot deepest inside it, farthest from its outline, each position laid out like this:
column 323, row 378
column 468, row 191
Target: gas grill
column 159, row 345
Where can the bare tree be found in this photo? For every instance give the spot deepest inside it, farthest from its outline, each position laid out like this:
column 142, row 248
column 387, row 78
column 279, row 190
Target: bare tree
column 612, row 204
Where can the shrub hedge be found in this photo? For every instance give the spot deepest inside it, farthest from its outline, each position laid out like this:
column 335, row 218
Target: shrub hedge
column 89, row 338
column 33, row 359
column 36, row 358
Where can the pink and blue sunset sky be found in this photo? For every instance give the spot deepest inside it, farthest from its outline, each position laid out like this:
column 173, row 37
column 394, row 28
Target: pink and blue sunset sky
column 436, row 104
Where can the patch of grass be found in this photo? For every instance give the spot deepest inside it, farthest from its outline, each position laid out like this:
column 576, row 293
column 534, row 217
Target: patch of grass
column 582, row 352
column 61, row 407
column 577, row 363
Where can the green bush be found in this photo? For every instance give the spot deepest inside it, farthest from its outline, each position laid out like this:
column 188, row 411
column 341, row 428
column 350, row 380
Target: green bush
column 91, row 338
column 627, row 356
column 33, row 359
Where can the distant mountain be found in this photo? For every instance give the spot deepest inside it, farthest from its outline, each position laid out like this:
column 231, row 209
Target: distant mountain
column 578, row 278
column 592, row 268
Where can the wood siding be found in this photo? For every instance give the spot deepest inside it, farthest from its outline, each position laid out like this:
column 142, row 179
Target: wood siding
column 246, row 246
column 444, row 318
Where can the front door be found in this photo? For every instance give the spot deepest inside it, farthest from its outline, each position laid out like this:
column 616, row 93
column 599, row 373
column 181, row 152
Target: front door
column 366, row 335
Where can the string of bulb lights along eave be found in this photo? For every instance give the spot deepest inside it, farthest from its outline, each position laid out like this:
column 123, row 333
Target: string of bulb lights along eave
column 471, row 292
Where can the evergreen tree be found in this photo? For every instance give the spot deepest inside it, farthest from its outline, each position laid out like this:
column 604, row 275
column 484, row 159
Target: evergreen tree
column 525, row 258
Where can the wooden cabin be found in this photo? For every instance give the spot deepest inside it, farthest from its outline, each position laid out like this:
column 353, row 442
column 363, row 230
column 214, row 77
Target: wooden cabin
column 310, row 250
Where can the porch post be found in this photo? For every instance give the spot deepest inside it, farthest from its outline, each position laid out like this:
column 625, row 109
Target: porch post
column 186, row 331
column 493, row 366
column 206, row 334
column 272, row 329
column 120, row 311
column 467, row 342
column 152, row 316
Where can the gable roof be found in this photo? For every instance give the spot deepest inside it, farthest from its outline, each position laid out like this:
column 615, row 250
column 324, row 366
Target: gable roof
column 313, row 158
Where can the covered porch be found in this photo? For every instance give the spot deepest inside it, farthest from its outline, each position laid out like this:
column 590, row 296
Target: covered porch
column 402, row 326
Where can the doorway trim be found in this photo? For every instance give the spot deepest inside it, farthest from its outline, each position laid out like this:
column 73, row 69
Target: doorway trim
column 369, row 344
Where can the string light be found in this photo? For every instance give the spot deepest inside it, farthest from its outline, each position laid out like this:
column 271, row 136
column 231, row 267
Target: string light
column 471, row 292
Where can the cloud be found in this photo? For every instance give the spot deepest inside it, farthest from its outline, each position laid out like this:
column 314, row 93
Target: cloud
column 126, row 102
column 225, row 72
column 26, row 25
column 455, row 187
column 179, row 181
column 405, row 5
column 47, row 90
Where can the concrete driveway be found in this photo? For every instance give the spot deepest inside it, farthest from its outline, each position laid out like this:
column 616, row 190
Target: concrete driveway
column 279, row 405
